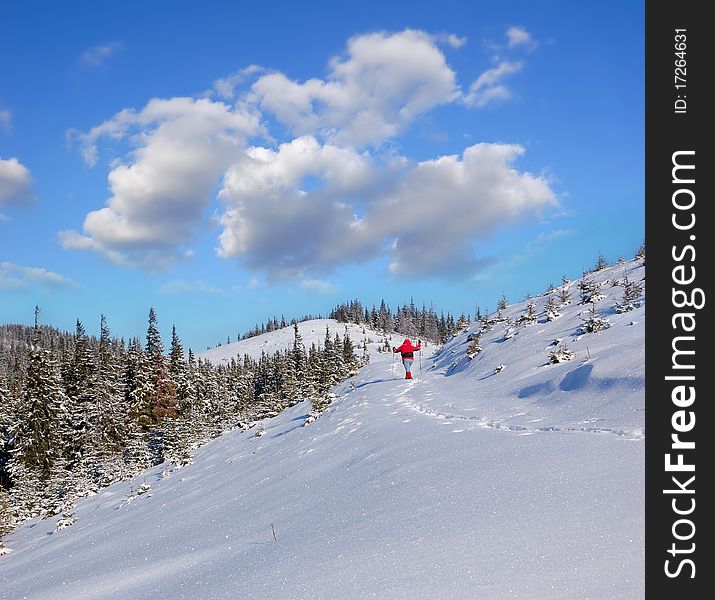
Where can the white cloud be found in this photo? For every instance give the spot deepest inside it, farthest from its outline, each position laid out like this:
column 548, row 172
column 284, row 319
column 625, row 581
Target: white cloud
column 14, row 276
column 518, row 36
column 226, row 86
column 181, row 286
column 160, row 193
column 284, row 206
column 489, row 86
column 371, row 94
column 15, row 183
column 450, row 39
column 323, row 198
column 5, row 121
column 98, row 55
column 424, row 217
column 456, row 41
column 318, row 286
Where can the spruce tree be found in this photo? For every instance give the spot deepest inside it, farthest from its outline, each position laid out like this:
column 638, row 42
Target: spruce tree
column 37, row 437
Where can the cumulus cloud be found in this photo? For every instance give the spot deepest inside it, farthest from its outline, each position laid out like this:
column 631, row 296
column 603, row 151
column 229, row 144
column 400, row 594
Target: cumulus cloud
column 323, row 197
column 15, row 183
column 518, row 36
column 225, row 87
column 159, row 195
column 98, row 55
column 383, row 82
column 284, row 206
column 14, row 276
column 425, row 216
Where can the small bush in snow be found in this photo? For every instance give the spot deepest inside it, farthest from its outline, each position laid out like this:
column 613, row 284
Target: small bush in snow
column 593, row 323
column 631, row 292
column 474, row 347
column 499, row 368
column 564, row 297
column 143, row 489
column 589, row 291
column 552, row 310
column 560, row 355
column 68, row 519
column 503, row 303
column 601, row 263
column 529, row 317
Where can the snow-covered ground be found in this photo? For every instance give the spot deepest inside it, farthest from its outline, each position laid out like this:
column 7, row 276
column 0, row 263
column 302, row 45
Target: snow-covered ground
column 312, row 332
column 465, row 483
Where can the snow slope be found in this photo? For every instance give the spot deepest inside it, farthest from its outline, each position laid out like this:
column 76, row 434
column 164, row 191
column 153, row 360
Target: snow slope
column 312, row 332
column 463, row 483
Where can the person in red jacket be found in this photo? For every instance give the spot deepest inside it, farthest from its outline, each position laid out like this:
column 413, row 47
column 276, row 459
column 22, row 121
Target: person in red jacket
column 407, row 350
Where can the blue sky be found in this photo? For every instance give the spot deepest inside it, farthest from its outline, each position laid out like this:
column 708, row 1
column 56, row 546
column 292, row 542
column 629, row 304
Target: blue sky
column 225, row 163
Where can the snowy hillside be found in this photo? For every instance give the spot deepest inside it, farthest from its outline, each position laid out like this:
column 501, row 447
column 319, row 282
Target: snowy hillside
column 312, row 332
column 491, row 477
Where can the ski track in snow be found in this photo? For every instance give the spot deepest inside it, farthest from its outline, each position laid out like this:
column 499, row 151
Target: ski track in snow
column 481, row 422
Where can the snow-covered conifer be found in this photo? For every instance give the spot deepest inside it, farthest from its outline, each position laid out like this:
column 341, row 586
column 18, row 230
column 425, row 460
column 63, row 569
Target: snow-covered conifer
column 560, row 355
column 529, row 316
column 640, row 253
column 601, row 263
column 632, row 291
column 552, row 310
column 474, row 348
column 503, row 303
column 592, row 323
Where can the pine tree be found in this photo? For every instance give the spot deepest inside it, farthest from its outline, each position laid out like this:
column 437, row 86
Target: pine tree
column 601, row 263
column 6, row 520
column 564, row 296
column 552, row 310
column 640, row 253
column 164, row 400
column 503, row 303
column 7, row 412
column 299, row 364
column 340, row 370
column 79, row 380
column 593, row 323
column 474, row 347
column 348, row 355
column 462, row 322
column 104, row 462
column 529, row 317
column 37, row 454
column 632, row 291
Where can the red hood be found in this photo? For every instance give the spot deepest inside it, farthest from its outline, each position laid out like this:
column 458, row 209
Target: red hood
column 407, row 347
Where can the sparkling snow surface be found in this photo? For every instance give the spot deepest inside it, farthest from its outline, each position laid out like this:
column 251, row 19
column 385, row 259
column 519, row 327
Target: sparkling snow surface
column 463, row 483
